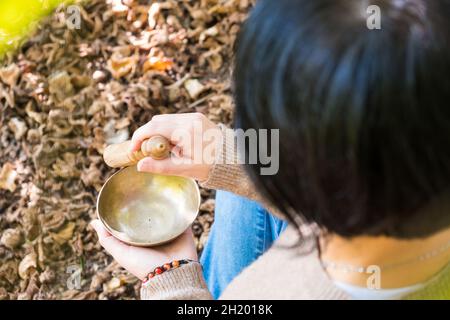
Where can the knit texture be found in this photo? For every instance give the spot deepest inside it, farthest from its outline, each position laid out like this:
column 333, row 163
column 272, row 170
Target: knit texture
column 227, row 174
column 185, row 282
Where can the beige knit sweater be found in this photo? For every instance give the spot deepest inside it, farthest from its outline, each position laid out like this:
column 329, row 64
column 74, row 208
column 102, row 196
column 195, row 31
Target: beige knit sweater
column 281, row 273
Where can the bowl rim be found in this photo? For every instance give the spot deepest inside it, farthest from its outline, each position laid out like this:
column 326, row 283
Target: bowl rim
column 116, row 234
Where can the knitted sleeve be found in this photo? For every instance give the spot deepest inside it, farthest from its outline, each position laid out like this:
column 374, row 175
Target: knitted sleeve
column 183, row 283
column 228, row 175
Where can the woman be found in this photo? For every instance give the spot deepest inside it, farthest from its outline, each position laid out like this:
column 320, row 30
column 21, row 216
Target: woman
column 364, row 167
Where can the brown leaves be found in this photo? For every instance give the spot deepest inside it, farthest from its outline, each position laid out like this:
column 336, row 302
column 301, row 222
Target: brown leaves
column 118, row 8
column 66, row 167
column 11, row 238
column 65, row 234
column 27, row 265
column 121, row 63
column 7, row 177
column 121, row 66
column 157, row 64
column 194, row 88
column 18, row 127
column 8, row 271
column 10, row 74
column 52, row 221
column 60, row 85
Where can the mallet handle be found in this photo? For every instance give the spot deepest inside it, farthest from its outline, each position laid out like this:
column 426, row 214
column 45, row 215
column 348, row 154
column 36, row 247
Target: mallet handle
column 119, row 155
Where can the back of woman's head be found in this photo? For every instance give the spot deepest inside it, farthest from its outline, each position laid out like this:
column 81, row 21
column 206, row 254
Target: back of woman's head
column 364, row 115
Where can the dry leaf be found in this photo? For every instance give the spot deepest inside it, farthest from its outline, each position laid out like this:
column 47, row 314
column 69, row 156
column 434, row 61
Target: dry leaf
column 211, row 32
column 11, row 238
column 8, row 270
column 153, row 13
column 112, row 284
column 66, row 167
column 10, row 74
column 120, row 67
column 48, row 276
column 194, row 88
column 98, row 279
column 91, row 176
column 157, row 64
column 27, row 264
column 77, row 295
column 60, row 85
column 119, row 8
column 3, row 294
column 98, row 76
column 65, row 234
column 52, row 220
column 7, row 177
column 18, row 127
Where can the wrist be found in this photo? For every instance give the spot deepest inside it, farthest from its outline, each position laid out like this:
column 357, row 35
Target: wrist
column 184, row 283
column 166, row 267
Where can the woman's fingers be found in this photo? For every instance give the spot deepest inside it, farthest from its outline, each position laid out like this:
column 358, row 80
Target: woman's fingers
column 166, row 166
column 148, row 130
column 140, row 261
column 199, row 172
column 164, row 125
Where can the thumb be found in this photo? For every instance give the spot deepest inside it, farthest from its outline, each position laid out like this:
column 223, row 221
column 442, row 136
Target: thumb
column 98, row 227
column 115, row 247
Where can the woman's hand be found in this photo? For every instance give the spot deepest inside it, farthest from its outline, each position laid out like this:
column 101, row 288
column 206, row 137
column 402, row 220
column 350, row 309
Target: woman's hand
column 141, row 261
column 194, row 138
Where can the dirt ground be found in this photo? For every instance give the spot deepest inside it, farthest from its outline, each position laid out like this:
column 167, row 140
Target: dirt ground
column 64, row 96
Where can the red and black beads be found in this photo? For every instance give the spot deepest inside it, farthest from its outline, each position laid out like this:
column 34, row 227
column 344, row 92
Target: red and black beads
column 166, row 267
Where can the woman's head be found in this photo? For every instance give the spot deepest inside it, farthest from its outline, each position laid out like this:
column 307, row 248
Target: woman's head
column 364, row 115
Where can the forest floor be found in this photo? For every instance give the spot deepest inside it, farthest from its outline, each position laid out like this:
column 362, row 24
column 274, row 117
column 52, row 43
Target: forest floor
column 65, row 95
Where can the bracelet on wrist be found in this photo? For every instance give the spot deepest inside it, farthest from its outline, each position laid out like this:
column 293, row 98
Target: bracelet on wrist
column 166, row 267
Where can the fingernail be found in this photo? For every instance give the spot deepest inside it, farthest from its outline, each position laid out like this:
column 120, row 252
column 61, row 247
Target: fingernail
column 141, row 164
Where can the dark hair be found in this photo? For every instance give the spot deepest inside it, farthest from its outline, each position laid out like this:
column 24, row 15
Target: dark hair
column 364, row 115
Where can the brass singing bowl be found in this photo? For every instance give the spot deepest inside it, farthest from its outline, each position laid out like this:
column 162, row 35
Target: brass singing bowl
column 146, row 209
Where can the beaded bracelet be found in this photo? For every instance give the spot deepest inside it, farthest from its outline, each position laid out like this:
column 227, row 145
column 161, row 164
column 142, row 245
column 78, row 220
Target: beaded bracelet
column 166, row 267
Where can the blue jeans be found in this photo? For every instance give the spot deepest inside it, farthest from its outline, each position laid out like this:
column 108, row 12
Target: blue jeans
column 242, row 231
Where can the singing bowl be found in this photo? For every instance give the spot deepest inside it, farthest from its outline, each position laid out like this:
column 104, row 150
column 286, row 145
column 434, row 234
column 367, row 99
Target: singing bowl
column 147, row 209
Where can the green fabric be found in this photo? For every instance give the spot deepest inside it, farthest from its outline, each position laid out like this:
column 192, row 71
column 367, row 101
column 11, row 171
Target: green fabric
column 437, row 289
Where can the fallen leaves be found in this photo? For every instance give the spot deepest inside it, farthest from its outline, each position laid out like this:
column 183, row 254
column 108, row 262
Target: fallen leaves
column 9, row 271
column 27, row 265
column 120, row 65
column 118, row 8
column 18, row 127
column 60, row 85
column 10, row 74
column 157, row 64
column 64, row 235
column 112, row 284
column 11, row 238
column 7, row 177
column 194, row 87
